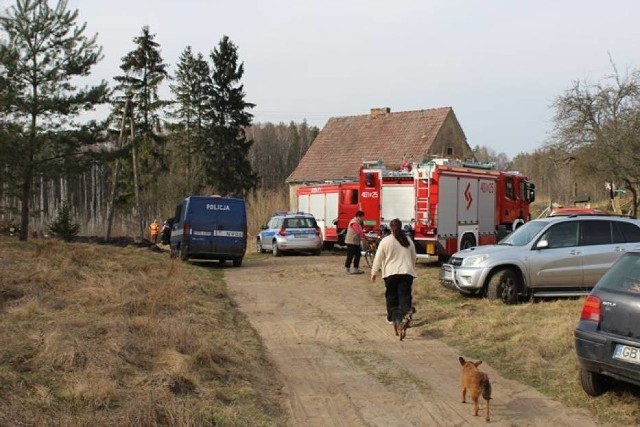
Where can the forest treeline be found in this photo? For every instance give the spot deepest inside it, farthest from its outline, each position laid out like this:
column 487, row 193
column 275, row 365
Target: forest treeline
column 118, row 173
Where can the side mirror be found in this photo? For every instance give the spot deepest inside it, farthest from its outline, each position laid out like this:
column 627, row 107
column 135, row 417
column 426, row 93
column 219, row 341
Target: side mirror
column 335, row 221
column 263, row 227
column 542, row 244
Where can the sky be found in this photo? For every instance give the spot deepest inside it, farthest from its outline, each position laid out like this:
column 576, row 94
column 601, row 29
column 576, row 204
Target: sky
column 500, row 64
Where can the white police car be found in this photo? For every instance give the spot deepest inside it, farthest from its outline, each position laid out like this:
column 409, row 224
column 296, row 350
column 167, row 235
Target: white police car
column 290, row 232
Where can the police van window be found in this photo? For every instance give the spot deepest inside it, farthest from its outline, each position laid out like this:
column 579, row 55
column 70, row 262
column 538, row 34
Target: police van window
column 510, row 190
column 178, row 214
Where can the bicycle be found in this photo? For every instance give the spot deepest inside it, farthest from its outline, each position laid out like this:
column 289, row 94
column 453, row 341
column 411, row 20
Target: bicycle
column 371, row 245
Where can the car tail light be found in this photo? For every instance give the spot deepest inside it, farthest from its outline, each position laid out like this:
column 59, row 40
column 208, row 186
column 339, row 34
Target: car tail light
column 591, row 309
column 186, row 229
column 318, row 232
column 283, row 231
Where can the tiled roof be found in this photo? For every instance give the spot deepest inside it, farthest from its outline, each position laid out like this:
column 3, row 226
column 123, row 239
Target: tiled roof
column 345, row 142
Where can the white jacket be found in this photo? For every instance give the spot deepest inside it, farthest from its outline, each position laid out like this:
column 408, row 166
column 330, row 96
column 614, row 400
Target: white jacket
column 393, row 258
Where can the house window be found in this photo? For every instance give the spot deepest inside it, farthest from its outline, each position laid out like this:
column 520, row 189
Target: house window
column 449, row 151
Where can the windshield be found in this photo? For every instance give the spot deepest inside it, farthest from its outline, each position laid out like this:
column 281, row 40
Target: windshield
column 524, row 234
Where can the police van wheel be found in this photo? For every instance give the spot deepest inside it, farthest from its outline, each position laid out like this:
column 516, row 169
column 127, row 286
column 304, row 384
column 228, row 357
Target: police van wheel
column 237, row 262
column 182, row 254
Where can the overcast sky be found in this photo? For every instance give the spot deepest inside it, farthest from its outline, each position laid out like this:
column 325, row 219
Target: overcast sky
column 498, row 63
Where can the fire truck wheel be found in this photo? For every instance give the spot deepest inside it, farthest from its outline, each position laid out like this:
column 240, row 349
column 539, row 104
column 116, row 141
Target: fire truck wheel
column 468, row 241
column 503, row 285
column 275, row 249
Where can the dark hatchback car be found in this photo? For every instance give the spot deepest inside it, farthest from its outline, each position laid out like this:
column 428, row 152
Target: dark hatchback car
column 607, row 337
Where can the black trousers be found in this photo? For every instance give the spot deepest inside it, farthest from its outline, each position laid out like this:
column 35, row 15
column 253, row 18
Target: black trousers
column 398, row 295
column 353, row 254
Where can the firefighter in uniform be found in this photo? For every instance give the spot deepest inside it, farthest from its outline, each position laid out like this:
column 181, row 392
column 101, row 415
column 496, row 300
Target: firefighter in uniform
column 154, row 229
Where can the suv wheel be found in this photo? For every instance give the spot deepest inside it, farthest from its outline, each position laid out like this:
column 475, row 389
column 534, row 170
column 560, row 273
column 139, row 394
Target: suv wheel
column 592, row 383
column 504, row 285
column 275, row 249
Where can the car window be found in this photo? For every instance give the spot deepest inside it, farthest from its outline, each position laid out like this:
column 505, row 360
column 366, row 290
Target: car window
column 292, row 223
column 300, row 223
column 523, row 234
column 595, row 232
column 624, row 275
column 562, row 235
column 275, row 222
column 630, row 232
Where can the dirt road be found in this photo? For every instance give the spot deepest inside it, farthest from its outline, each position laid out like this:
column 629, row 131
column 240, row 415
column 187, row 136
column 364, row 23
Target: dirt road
column 343, row 366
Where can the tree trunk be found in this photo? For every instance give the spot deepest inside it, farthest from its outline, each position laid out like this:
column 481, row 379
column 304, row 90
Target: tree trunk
column 136, row 186
column 116, row 172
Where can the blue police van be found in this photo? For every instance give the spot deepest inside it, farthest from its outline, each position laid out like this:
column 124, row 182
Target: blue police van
column 210, row 228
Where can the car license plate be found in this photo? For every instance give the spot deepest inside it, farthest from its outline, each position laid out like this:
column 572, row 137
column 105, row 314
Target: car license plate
column 627, row 353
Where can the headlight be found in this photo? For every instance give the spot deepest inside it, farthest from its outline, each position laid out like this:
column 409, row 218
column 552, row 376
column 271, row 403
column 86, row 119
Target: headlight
column 474, row 260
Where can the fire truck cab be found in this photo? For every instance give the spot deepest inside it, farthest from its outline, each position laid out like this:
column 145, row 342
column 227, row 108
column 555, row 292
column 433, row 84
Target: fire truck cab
column 449, row 205
column 333, row 205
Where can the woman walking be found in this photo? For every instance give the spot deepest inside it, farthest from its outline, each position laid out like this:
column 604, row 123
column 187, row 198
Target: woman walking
column 396, row 259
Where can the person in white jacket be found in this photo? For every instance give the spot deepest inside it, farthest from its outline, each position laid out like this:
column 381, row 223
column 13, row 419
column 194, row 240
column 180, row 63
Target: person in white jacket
column 396, row 259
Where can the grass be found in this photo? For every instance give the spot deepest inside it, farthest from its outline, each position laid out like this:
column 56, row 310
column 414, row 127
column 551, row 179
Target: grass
column 103, row 335
column 531, row 343
column 100, row 335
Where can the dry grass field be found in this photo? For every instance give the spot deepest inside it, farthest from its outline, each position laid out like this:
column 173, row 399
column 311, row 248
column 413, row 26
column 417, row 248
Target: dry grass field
column 105, row 335
column 97, row 335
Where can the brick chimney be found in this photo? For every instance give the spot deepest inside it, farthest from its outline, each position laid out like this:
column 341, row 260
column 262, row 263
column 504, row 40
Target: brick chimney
column 379, row 112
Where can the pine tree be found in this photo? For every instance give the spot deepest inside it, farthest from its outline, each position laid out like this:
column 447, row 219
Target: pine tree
column 42, row 53
column 226, row 149
column 145, row 71
column 64, row 226
column 192, row 90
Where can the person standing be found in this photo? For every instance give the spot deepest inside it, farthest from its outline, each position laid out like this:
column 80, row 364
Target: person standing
column 396, row 259
column 353, row 239
column 154, row 228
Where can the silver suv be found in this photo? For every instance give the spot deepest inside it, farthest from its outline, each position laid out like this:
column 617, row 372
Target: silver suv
column 553, row 256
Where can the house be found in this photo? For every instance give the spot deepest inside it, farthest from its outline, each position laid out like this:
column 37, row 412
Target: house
column 345, row 143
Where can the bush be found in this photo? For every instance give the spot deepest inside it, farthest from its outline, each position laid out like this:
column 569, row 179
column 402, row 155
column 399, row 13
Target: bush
column 63, row 226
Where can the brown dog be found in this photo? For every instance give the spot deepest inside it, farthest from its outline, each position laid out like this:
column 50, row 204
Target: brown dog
column 477, row 383
column 400, row 326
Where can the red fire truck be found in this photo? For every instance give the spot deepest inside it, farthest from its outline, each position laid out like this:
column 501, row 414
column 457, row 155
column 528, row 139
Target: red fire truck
column 333, row 205
column 448, row 205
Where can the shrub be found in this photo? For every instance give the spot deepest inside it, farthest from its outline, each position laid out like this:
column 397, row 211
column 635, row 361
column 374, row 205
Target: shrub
column 63, row 226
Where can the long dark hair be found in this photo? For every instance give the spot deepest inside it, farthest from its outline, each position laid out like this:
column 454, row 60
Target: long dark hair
column 396, row 230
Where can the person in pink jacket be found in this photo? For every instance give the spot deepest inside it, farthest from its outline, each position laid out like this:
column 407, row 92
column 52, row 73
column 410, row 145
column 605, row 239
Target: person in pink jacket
column 396, row 259
column 353, row 238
